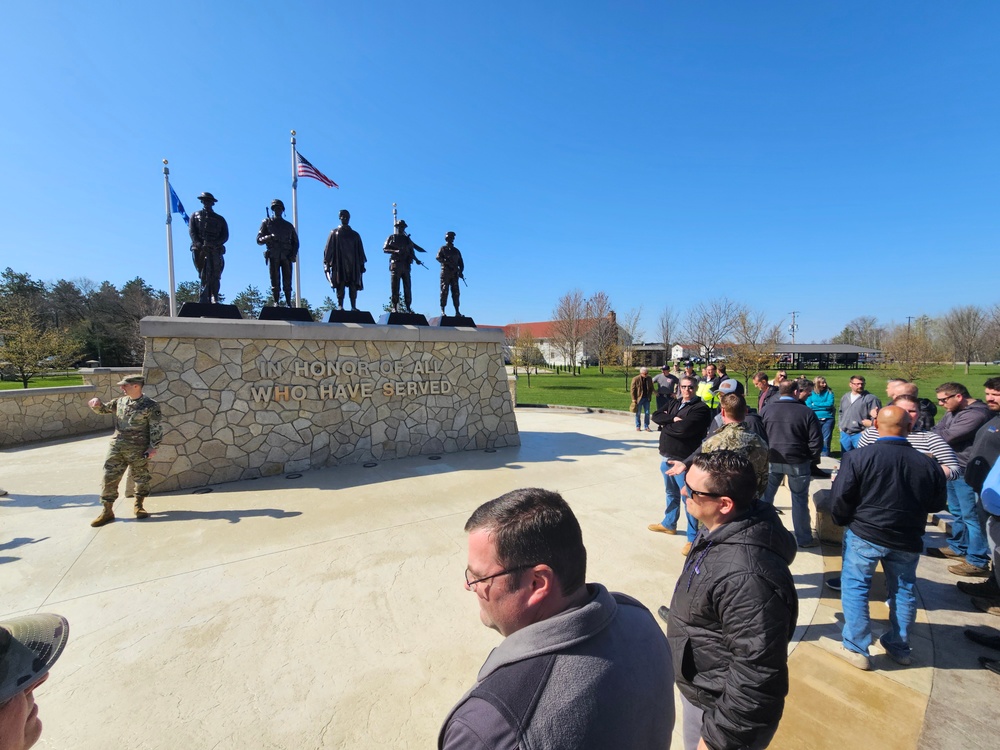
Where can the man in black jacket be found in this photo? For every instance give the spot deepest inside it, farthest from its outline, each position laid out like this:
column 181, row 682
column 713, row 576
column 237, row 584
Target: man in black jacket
column 767, row 391
column 733, row 611
column 684, row 423
column 795, row 440
column 883, row 494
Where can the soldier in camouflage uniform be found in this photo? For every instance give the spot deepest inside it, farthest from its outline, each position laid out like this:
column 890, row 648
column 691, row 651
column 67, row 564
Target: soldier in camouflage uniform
column 138, row 433
column 734, row 436
column 452, row 269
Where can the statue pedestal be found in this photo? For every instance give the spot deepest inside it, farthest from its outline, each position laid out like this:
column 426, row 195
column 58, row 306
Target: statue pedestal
column 253, row 398
column 208, row 310
column 295, row 314
column 350, row 316
column 402, row 319
column 453, row 321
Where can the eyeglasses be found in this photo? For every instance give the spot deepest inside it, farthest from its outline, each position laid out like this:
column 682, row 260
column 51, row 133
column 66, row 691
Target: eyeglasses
column 945, row 399
column 698, row 493
column 472, row 584
column 687, row 387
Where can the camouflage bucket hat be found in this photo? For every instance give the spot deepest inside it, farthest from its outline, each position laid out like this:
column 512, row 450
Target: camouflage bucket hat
column 29, row 646
column 132, row 380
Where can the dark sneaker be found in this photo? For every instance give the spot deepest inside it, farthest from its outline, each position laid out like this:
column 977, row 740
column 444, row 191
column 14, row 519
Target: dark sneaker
column 944, row 553
column 833, row 583
column 983, row 639
column 664, row 613
column 987, row 588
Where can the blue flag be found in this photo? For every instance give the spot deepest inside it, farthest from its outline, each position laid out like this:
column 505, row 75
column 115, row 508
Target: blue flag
column 177, row 207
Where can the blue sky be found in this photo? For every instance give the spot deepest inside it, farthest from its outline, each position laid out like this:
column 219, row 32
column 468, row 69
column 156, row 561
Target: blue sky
column 842, row 156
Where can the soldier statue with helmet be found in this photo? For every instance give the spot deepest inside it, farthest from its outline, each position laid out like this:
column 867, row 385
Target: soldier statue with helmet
column 282, row 243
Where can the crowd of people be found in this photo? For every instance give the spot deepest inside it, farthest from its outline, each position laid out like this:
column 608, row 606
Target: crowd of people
column 582, row 667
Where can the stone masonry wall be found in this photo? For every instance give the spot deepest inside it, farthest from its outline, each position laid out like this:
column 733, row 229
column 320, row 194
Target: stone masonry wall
column 243, row 399
column 31, row 414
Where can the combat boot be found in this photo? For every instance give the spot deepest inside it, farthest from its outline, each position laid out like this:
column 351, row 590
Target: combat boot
column 107, row 515
column 140, row 512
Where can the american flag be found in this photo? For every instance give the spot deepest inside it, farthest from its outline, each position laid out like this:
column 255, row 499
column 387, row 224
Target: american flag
column 306, row 169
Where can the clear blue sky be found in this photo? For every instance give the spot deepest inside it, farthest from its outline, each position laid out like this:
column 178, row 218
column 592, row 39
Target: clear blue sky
column 835, row 158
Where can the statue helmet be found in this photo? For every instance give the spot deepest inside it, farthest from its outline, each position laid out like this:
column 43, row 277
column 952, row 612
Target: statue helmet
column 277, row 204
column 204, row 197
column 449, row 235
column 400, row 224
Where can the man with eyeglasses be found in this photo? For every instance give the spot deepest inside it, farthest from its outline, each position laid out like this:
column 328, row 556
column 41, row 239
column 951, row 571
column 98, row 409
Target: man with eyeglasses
column 958, row 427
column 579, row 667
column 684, row 424
column 733, row 610
column 857, row 410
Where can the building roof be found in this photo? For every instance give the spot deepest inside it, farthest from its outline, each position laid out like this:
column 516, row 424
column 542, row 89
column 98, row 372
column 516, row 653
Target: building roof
column 824, row 349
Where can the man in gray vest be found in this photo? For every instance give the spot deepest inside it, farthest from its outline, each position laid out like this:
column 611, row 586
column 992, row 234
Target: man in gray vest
column 579, row 668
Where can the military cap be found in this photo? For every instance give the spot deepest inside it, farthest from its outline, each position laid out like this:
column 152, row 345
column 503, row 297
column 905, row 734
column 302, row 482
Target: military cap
column 207, row 197
column 132, row 380
column 276, row 203
column 449, row 235
column 29, row 646
column 401, row 224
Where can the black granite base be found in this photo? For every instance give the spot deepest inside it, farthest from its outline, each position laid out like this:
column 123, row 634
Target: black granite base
column 350, row 316
column 208, row 310
column 294, row 314
column 453, row 321
column 402, row 319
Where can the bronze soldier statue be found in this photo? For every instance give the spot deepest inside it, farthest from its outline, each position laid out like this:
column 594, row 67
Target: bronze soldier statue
column 282, row 250
column 452, row 269
column 401, row 248
column 344, row 260
column 209, row 234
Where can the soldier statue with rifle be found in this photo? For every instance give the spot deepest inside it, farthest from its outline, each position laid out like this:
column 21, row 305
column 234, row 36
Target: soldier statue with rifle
column 401, row 249
column 209, row 234
column 282, row 251
column 344, row 261
column 452, row 269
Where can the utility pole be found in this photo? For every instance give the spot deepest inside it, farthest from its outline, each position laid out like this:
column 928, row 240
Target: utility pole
column 793, row 327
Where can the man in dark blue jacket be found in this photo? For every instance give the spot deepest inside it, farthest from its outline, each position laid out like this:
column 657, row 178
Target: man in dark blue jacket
column 795, row 440
column 883, row 494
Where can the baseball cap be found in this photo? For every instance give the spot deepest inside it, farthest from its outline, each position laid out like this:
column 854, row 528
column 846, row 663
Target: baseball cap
column 29, row 646
column 132, row 380
column 729, row 385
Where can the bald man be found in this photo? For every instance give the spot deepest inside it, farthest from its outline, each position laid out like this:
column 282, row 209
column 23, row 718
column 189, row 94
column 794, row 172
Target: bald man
column 883, row 495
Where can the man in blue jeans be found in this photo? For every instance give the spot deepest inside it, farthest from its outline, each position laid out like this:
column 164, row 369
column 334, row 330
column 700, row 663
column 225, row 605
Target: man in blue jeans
column 963, row 418
column 883, row 495
column 684, row 423
column 642, row 392
column 794, row 441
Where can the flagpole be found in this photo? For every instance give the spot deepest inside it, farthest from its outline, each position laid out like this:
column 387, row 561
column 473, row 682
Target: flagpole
column 170, row 240
column 295, row 221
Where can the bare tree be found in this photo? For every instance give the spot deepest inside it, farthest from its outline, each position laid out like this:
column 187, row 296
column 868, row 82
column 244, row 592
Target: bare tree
column 602, row 329
column 964, row 328
column 668, row 331
column 861, row 331
column 708, row 324
column 909, row 350
column 629, row 336
column 754, row 342
column 568, row 326
column 525, row 351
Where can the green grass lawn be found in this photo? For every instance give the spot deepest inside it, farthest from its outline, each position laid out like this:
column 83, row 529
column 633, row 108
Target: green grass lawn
column 52, row 381
column 611, row 390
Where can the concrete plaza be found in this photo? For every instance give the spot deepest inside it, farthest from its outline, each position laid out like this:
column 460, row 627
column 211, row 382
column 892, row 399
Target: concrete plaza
column 326, row 609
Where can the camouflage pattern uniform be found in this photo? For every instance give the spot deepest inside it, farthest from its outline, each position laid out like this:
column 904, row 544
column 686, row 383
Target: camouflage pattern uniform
column 137, row 430
column 734, row 436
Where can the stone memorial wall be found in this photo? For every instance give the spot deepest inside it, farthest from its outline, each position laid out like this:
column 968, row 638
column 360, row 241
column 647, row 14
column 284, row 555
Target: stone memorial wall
column 245, row 399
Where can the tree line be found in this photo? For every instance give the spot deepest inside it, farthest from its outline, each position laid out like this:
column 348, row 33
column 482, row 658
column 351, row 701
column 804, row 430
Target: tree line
column 51, row 326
